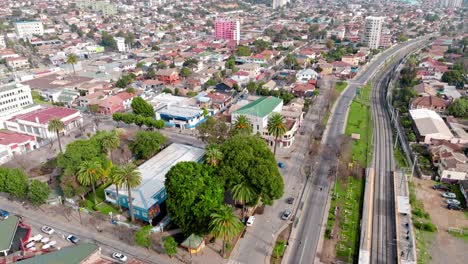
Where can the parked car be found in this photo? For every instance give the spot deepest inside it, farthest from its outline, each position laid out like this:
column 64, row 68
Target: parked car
column 251, row 221
column 453, row 201
column 290, row 200
column 281, row 165
column 119, row 256
column 286, row 214
column 449, row 195
column 30, row 245
column 454, row 207
column 37, row 238
column 440, row 187
column 4, row 214
column 45, row 240
column 47, row 230
column 73, row 239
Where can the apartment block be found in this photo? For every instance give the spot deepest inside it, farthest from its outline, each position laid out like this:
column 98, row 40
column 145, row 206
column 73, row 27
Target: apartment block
column 25, row 29
column 227, row 29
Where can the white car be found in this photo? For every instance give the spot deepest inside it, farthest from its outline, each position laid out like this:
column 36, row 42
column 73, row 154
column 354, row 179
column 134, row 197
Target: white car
column 30, row 245
column 46, row 246
column 119, row 256
column 453, row 201
column 251, row 221
column 37, row 238
column 52, row 243
column 45, row 240
column 449, row 195
column 47, row 230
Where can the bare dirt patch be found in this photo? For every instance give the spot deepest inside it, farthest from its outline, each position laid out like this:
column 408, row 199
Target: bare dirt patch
column 443, row 246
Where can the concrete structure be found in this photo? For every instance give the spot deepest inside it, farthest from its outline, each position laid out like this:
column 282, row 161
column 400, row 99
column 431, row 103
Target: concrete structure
column 35, row 123
column 258, row 112
column 121, row 46
column 430, row 125
column 26, row 29
column 17, row 63
column 152, row 3
column 227, row 29
column 2, row 42
column 451, row 3
column 279, row 3
column 372, row 31
column 151, row 193
column 13, row 98
column 106, row 8
column 12, row 143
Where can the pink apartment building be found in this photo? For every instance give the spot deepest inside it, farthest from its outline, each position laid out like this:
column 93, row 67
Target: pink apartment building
column 227, row 29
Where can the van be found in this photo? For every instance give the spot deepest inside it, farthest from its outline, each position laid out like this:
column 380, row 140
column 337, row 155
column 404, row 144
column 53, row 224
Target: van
column 251, row 220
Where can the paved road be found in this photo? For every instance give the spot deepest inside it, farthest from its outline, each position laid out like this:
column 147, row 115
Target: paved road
column 308, row 232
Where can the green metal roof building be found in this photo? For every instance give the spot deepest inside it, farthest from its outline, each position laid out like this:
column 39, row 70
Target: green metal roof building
column 258, row 111
column 7, row 233
column 70, row 255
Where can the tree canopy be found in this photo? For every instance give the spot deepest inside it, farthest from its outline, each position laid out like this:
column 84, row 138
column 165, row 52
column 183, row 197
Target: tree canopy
column 141, row 107
column 14, row 182
column 193, row 194
column 147, row 144
column 454, row 77
column 248, row 159
column 213, row 131
column 243, row 51
column 459, row 108
column 38, row 192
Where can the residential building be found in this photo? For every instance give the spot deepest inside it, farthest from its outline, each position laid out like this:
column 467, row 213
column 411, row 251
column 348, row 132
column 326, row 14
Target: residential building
column 35, row 123
column 153, row 3
column 149, row 195
column 351, row 59
column 433, row 103
column 17, row 63
column 252, row 69
column 13, row 98
column 27, row 29
column 305, row 75
column 430, row 125
column 15, row 144
column 451, row 3
column 168, row 76
column 2, row 42
column 450, row 160
column 279, row 3
column 372, row 31
column 258, row 112
column 227, row 29
column 121, row 46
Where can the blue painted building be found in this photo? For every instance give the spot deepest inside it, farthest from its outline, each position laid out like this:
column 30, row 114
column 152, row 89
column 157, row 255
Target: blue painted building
column 151, row 193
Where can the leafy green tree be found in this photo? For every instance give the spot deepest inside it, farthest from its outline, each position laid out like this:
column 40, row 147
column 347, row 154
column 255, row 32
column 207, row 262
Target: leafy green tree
column 147, row 144
column 242, row 125
column 89, row 174
column 125, row 80
column 130, row 39
column 38, row 192
column 108, row 41
column 72, row 60
column 141, row 107
column 454, row 77
column 131, row 178
column 118, row 181
column 110, row 142
column 56, row 125
column 140, row 120
column 170, row 246
column 276, row 127
column 230, row 63
column 78, row 152
column 185, row 72
column 243, row 51
column 252, row 87
column 225, row 224
column 190, row 63
column 128, row 118
column 193, row 194
column 142, row 236
column 330, row 44
column 117, row 117
column 151, row 74
column 291, row 61
column 213, row 155
column 15, row 183
column 213, row 131
column 459, row 108
column 243, row 193
column 247, row 158
column 261, row 45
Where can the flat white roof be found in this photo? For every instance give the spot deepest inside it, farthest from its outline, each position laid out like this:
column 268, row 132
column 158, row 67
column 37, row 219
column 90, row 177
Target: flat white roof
column 429, row 122
column 153, row 173
column 403, row 205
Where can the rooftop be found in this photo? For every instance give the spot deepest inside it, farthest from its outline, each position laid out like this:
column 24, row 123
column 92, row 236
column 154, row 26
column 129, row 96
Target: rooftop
column 153, row 172
column 429, row 122
column 7, row 231
column 7, row 138
column 260, row 107
column 71, row 255
column 44, row 115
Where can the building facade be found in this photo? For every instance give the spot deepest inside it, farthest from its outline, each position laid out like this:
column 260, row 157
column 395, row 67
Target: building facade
column 279, row 3
column 25, row 29
column 372, row 31
column 121, row 46
column 258, row 112
column 451, row 3
column 227, row 29
column 14, row 97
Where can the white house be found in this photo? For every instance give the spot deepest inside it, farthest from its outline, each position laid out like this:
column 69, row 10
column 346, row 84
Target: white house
column 430, row 125
column 306, row 75
column 258, row 112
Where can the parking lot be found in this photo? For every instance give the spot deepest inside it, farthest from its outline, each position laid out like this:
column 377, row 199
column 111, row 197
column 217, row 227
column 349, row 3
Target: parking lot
column 444, row 246
column 58, row 236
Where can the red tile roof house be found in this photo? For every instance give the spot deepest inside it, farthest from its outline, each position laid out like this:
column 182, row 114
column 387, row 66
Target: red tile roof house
column 430, row 102
column 15, row 143
column 35, row 123
column 168, row 76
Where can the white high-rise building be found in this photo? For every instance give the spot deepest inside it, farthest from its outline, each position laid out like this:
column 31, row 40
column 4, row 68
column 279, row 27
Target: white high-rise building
column 451, row 3
column 14, row 97
column 26, row 29
column 152, row 3
column 372, row 31
column 2, row 42
column 279, row 3
column 121, row 46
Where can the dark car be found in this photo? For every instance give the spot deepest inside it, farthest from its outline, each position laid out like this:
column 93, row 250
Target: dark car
column 440, row 187
column 454, row 207
column 73, row 239
column 290, row 200
column 4, row 214
column 286, row 214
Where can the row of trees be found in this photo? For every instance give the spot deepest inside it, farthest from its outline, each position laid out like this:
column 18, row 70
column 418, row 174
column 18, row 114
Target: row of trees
column 16, row 183
column 129, row 118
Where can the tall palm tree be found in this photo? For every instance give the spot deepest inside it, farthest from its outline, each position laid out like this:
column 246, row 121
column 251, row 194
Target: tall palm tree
column 131, row 178
column 72, row 60
column 117, row 180
column 225, row 224
column 111, row 142
column 89, row 173
column 276, row 127
column 56, row 125
column 243, row 193
column 213, row 155
column 243, row 125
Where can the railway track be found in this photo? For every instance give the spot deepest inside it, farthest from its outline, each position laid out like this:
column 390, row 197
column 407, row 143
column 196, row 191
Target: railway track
column 383, row 248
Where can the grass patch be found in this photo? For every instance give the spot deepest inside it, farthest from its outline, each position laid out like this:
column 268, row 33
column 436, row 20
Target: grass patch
column 341, row 85
column 360, row 122
column 279, row 248
column 106, row 208
column 422, row 243
column 101, row 205
column 37, row 98
column 400, row 157
column 325, row 118
column 461, row 233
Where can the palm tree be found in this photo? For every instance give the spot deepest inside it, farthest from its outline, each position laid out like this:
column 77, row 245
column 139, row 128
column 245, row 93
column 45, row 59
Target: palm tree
column 225, row 224
column 276, row 127
column 131, row 178
column 89, row 173
column 213, row 155
column 56, row 125
column 111, row 142
column 117, row 180
column 242, row 125
column 72, row 59
column 243, row 193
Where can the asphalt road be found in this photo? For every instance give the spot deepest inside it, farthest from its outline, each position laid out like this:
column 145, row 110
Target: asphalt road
column 308, row 232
